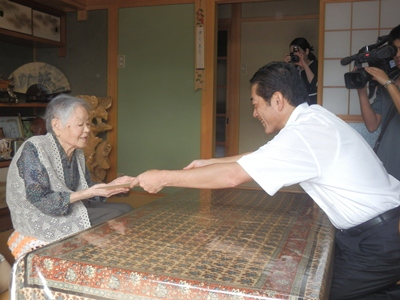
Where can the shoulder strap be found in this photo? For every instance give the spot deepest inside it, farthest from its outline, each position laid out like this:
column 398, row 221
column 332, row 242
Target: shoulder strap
column 392, row 113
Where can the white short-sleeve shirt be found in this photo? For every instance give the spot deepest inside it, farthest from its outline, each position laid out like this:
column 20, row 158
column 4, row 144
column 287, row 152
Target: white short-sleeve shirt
column 331, row 162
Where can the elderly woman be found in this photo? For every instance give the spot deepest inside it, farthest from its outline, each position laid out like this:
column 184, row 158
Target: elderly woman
column 49, row 191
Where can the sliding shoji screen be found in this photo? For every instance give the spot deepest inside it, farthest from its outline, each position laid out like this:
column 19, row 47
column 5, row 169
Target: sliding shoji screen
column 348, row 26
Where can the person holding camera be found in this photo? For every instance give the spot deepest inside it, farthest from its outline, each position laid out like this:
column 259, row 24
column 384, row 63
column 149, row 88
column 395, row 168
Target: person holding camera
column 384, row 111
column 307, row 64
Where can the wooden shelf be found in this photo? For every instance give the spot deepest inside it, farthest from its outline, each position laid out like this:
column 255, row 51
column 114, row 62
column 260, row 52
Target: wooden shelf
column 5, row 163
column 40, row 37
column 27, row 40
column 24, row 104
column 55, row 5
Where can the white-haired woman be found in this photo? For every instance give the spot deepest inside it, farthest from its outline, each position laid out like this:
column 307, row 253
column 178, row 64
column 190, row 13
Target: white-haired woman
column 49, row 191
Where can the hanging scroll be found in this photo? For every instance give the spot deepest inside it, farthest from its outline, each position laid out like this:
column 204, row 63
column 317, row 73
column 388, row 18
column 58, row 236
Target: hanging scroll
column 199, row 46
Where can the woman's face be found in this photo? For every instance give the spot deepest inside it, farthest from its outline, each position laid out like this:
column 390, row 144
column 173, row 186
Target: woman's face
column 74, row 134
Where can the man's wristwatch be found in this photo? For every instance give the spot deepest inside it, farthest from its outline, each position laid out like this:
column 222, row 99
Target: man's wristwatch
column 390, row 81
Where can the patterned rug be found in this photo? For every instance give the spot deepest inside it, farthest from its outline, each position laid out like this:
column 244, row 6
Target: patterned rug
column 195, row 244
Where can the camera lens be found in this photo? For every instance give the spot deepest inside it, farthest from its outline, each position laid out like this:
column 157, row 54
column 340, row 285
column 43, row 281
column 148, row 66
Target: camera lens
column 294, row 58
column 357, row 79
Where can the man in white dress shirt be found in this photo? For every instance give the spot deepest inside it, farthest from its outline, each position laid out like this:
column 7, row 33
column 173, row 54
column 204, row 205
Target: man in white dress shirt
column 332, row 163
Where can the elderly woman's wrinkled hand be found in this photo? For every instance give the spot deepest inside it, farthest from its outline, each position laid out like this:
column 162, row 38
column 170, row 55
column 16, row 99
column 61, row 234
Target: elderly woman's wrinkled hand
column 108, row 190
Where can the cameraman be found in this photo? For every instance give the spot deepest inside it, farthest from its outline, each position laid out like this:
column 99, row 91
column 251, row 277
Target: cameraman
column 385, row 110
column 307, row 64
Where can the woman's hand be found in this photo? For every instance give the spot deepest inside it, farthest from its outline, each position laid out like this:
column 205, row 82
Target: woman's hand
column 302, row 63
column 117, row 186
column 287, row 58
column 108, row 190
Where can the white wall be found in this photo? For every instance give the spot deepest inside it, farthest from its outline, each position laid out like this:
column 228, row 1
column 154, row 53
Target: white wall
column 261, row 43
column 349, row 26
column 267, row 28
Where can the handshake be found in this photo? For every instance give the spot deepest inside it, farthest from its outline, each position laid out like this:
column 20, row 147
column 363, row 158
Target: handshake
column 211, row 173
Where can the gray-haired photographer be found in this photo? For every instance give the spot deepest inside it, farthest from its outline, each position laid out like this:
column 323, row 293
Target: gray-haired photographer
column 383, row 76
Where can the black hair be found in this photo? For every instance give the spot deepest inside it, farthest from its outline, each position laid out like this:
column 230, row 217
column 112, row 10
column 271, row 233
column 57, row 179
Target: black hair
column 394, row 34
column 304, row 44
column 280, row 77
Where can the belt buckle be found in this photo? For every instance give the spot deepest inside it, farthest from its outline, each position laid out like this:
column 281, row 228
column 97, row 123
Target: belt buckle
column 353, row 232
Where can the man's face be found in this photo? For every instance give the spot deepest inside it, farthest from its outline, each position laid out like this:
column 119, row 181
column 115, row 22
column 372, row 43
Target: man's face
column 267, row 114
column 396, row 58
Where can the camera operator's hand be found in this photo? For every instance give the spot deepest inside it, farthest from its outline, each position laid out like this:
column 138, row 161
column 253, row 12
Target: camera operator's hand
column 377, row 74
column 302, row 63
column 287, row 58
column 393, row 89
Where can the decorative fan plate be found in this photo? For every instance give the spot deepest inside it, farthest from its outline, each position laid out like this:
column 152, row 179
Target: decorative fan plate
column 42, row 74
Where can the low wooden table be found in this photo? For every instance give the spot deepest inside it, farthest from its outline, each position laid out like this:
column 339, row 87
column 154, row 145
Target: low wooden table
column 195, row 244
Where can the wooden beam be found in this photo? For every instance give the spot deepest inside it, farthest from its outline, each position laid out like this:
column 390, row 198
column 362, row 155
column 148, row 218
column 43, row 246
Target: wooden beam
column 82, row 15
column 112, row 89
column 62, row 51
column 233, row 95
column 209, row 94
column 57, row 5
column 97, row 4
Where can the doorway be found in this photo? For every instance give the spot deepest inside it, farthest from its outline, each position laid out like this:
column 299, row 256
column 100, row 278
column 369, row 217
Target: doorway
column 255, row 36
column 221, row 117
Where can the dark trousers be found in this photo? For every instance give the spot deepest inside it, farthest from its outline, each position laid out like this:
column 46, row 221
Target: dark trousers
column 103, row 211
column 367, row 266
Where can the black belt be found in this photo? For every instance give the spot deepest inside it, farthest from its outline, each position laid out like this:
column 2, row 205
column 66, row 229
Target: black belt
column 357, row 230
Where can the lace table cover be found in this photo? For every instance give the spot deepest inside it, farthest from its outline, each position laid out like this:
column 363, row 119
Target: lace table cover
column 195, row 244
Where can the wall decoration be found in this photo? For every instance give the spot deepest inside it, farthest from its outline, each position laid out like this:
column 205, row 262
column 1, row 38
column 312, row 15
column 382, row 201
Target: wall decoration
column 7, row 91
column 50, row 79
column 45, row 26
column 12, row 127
column 199, row 46
column 15, row 17
column 5, row 149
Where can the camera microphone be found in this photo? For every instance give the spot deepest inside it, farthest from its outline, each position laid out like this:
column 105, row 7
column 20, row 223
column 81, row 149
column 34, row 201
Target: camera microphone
column 384, row 52
column 345, row 61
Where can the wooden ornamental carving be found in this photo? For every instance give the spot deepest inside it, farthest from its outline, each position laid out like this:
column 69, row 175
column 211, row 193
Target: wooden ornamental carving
column 98, row 148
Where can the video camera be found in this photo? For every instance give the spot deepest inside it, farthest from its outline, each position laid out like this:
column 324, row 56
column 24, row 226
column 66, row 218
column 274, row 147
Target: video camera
column 376, row 55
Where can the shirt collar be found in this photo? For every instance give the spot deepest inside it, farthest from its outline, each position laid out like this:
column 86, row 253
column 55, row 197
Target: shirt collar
column 297, row 111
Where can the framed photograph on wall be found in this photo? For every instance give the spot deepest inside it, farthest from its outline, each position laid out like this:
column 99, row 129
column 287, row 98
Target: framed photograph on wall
column 12, row 127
